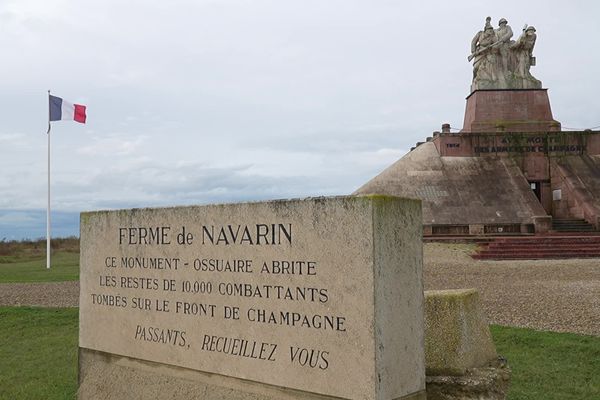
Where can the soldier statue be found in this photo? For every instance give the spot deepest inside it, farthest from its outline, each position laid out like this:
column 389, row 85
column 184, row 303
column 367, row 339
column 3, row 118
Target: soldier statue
column 504, row 34
column 502, row 63
column 522, row 51
column 484, row 56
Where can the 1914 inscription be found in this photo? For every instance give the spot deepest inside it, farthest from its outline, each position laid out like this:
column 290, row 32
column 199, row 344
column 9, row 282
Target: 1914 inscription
column 253, row 295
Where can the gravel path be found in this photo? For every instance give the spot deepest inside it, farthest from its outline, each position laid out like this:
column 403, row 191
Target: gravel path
column 52, row 294
column 554, row 295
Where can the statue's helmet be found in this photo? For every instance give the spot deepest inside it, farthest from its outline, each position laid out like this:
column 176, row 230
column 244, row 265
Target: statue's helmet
column 530, row 28
column 502, row 21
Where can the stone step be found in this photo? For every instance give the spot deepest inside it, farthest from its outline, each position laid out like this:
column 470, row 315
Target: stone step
column 539, row 251
column 584, row 241
column 540, row 247
column 496, row 247
column 575, row 229
column 582, row 222
column 551, row 239
column 579, row 233
column 572, row 225
column 532, row 256
column 575, row 240
column 547, row 237
column 569, row 220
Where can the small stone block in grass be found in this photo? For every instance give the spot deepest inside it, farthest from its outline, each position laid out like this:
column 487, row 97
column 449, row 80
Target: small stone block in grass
column 457, row 336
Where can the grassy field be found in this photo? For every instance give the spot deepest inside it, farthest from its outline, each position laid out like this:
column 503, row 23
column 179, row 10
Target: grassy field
column 38, row 353
column 38, row 346
column 38, row 358
column 25, row 261
column 550, row 366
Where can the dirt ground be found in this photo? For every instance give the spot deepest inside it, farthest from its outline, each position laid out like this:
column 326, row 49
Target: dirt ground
column 554, row 295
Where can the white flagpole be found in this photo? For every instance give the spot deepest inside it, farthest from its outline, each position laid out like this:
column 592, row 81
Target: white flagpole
column 48, row 209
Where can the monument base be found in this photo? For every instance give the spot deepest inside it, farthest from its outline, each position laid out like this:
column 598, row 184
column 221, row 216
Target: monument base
column 267, row 314
column 490, row 383
column 509, row 110
column 111, row 377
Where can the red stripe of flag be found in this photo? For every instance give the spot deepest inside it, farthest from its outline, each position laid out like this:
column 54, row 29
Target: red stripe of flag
column 79, row 113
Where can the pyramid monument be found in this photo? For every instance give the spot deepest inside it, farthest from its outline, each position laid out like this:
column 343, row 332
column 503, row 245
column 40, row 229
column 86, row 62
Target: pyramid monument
column 511, row 169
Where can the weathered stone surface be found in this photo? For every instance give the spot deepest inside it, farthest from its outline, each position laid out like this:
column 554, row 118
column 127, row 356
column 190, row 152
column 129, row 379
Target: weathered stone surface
column 106, row 376
column 460, row 356
column 578, row 179
column 459, row 190
column 484, row 383
column 543, row 223
column 457, row 336
column 145, row 295
column 472, row 180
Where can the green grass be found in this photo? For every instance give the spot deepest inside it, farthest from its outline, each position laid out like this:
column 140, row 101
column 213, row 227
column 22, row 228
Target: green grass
column 38, row 358
column 550, row 366
column 32, row 268
column 25, row 260
column 38, row 353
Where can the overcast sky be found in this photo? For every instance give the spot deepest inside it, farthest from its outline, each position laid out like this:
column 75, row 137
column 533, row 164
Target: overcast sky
column 193, row 102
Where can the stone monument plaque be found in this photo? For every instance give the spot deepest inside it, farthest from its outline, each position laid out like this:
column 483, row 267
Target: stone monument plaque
column 319, row 295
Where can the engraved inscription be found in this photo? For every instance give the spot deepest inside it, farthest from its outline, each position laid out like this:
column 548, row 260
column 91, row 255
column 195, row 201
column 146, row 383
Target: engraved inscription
column 253, row 292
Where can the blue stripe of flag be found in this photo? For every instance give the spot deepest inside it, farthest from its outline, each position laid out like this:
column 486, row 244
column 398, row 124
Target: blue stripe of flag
column 55, row 108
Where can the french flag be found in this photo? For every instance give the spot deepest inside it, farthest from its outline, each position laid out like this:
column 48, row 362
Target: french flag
column 61, row 110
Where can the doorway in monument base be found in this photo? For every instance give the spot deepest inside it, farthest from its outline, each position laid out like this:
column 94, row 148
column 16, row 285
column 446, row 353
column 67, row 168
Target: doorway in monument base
column 536, row 187
column 543, row 192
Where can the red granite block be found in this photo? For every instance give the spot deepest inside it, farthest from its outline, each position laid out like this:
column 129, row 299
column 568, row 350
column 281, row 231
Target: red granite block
column 512, row 110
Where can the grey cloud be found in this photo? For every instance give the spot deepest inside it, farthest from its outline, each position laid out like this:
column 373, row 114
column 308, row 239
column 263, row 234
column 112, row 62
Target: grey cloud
column 151, row 184
column 230, row 100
